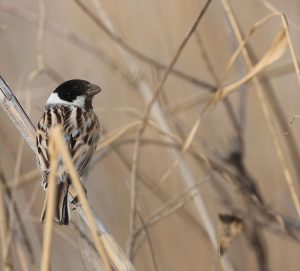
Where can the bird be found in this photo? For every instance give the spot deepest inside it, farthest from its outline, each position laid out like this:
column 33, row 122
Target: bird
column 69, row 105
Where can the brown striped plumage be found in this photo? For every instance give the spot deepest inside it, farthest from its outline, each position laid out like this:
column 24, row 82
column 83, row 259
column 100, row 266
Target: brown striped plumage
column 81, row 132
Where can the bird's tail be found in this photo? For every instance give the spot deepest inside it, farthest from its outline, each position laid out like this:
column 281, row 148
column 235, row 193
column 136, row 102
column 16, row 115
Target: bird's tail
column 62, row 209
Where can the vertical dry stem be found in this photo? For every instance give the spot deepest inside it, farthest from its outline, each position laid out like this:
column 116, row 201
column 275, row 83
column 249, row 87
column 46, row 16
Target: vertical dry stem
column 4, row 228
column 50, row 207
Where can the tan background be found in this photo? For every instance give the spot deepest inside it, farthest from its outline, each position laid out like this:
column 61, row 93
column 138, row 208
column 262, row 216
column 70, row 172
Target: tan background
column 155, row 28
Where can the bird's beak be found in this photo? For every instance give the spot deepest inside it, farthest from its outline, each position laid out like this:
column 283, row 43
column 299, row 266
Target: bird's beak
column 93, row 90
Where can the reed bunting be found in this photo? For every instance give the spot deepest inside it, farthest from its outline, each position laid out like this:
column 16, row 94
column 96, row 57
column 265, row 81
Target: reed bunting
column 69, row 105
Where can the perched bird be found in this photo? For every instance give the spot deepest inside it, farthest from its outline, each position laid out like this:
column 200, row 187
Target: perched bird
column 69, row 105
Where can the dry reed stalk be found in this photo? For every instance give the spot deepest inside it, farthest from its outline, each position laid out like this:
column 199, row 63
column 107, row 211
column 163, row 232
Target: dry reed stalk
column 170, row 207
column 276, row 50
column 116, row 135
column 274, row 53
column 246, row 38
column 150, row 105
column 60, row 145
column 15, row 112
column 262, row 98
column 273, row 102
column 285, row 25
column 4, row 229
column 50, row 206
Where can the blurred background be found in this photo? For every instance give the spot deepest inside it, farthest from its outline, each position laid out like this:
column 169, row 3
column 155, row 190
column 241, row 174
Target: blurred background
column 224, row 196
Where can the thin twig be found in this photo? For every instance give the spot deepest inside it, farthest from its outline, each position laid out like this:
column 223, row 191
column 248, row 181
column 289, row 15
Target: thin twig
column 158, row 89
column 171, row 207
column 50, row 206
column 145, row 228
column 117, row 38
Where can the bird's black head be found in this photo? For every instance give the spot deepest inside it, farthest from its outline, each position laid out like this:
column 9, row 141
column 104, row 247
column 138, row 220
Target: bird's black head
column 77, row 92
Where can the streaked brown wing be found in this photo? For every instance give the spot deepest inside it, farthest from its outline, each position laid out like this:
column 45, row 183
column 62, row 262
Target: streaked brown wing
column 83, row 142
column 84, row 164
column 42, row 152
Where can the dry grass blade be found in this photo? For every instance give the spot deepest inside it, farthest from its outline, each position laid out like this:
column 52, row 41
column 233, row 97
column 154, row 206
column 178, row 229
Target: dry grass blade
column 158, row 89
column 117, row 135
column 191, row 135
column 123, row 131
column 172, row 206
column 185, row 146
column 241, row 46
column 4, row 228
column 60, row 144
column 189, row 139
column 169, row 135
column 175, row 58
column 188, row 102
column 101, row 241
column 50, row 206
column 289, row 39
column 164, row 177
column 274, row 53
